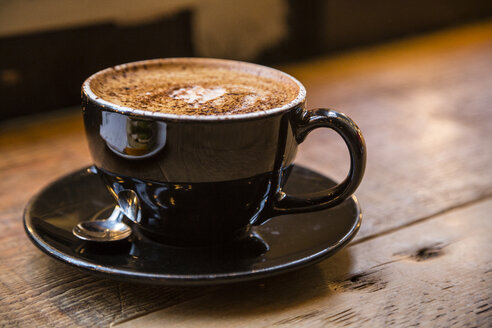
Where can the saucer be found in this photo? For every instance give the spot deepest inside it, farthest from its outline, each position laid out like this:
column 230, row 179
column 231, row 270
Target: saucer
column 281, row 244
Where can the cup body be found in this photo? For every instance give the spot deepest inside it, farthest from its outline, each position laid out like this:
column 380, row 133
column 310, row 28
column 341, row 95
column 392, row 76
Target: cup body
column 199, row 181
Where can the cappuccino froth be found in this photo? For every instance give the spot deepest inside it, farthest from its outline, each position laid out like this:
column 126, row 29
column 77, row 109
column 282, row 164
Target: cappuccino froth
column 197, row 95
column 194, row 88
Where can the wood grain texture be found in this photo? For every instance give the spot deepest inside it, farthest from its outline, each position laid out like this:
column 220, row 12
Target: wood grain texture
column 433, row 274
column 424, row 106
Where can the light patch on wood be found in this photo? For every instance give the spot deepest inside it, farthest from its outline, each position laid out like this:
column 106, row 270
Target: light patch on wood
column 239, row 29
column 25, row 16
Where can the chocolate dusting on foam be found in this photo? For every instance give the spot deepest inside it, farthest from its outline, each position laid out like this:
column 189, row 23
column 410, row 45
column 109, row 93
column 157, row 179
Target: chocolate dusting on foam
column 192, row 89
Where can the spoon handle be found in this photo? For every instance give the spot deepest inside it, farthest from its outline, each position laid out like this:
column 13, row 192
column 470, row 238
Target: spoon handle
column 117, row 215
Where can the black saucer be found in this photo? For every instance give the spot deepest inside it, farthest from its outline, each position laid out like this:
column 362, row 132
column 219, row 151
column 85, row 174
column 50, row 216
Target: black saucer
column 282, row 244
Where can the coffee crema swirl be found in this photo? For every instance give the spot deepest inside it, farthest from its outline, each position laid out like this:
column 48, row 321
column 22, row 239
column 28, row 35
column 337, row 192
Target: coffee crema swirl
column 194, row 88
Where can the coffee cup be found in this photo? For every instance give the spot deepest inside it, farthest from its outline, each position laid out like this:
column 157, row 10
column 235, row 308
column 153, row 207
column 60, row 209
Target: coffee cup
column 206, row 145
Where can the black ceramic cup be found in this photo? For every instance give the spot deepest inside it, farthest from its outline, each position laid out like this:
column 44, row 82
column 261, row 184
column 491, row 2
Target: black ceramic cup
column 204, row 180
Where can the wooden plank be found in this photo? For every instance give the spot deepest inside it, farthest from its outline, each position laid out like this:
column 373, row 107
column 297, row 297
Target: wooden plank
column 437, row 273
column 37, row 291
column 424, row 106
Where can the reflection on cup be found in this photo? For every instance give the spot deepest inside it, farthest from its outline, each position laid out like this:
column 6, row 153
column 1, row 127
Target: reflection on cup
column 132, row 138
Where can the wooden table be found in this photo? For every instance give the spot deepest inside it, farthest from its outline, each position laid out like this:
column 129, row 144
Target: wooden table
column 422, row 257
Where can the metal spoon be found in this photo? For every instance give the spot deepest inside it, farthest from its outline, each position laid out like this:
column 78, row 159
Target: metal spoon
column 111, row 229
column 129, row 204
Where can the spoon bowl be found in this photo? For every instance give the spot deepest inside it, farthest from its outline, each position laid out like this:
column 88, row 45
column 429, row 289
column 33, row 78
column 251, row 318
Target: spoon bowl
column 111, row 229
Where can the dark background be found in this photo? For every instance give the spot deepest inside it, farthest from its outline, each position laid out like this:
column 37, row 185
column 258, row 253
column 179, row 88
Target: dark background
column 42, row 71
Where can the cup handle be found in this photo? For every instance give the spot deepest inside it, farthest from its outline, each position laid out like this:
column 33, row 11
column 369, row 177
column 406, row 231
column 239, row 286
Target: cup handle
column 306, row 122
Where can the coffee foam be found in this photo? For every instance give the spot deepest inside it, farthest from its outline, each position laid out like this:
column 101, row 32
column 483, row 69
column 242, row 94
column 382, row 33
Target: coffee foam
column 197, row 95
column 194, row 88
